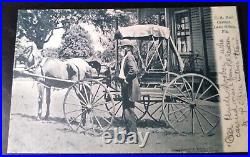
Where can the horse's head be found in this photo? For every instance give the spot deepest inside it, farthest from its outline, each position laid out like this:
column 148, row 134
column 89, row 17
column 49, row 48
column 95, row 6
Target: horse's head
column 96, row 65
column 30, row 57
column 90, row 71
column 27, row 57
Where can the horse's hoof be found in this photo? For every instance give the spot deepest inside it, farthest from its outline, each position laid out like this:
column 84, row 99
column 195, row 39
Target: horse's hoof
column 46, row 117
column 38, row 118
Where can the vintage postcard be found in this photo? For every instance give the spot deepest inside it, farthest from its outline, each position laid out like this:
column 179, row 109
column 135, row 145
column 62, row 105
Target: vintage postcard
column 132, row 80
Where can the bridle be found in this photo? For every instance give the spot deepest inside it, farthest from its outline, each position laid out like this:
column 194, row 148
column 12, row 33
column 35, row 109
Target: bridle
column 30, row 54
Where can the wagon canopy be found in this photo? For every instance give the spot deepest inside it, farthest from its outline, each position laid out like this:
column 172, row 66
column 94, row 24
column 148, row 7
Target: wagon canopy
column 142, row 31
column 146, row 32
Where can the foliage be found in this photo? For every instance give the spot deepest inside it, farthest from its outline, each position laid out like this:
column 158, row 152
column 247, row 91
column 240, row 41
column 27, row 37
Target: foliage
column 107, row 21
column 39, row 25
column 76, row 43
column 50, row 52
column 19, row 48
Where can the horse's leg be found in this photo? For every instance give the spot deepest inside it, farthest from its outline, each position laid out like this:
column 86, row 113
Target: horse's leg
column 40, row 100
column 48, row 92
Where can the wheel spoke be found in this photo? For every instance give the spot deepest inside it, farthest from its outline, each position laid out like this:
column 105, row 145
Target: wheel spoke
column 156, row 110
column 180, row 91
column 199, row 122
column 73, row 104
column 199, row 88
column 114, row 105
column 178, row 97
column 97, row 104
column 184, row 80
column 173, row 110
column 208, row 112
column 81, row 95
column 79, row 100
column 118, row 109
column 176, row 103
column 98, row 122
column 106, row 119
column 161, row 115
column 99, row 99
column 76, row 117
column 205, row 91
column 96, row 93
column 211, row 97
column 78, row 126
column 74, row 111
column 180, row 117
column 187, row 91
column 205, row 118
column 86, row 94
column 101, row 110
column 178, row 110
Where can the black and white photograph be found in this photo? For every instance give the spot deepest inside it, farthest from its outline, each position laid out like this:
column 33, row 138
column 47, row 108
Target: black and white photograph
column 128, row 80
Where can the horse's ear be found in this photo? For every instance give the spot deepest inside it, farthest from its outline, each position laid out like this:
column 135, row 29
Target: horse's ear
column 71, row 71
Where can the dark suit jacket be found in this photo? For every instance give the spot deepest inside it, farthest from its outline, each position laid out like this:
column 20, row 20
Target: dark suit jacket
column 131, row 91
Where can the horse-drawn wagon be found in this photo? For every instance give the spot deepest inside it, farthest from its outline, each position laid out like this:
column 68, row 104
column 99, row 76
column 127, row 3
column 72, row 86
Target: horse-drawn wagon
column 189, row 103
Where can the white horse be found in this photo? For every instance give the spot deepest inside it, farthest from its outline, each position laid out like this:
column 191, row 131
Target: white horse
column 71, row 69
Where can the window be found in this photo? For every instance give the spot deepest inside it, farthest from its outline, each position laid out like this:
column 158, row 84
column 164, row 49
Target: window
column 182, row 31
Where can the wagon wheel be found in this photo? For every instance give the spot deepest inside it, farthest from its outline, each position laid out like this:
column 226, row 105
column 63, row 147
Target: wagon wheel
column 141, row 108
column 84, row 107
column 115, row 89
column 155, row 106
column 116, row 92
column 192, row 102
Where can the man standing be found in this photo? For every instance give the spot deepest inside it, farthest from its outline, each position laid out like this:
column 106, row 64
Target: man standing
column 130, row 90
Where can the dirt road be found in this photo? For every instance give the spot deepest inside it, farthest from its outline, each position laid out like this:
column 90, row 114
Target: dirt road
column 28, row 135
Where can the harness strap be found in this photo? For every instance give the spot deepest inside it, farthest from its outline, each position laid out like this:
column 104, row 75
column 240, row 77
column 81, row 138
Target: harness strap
column 78, row 71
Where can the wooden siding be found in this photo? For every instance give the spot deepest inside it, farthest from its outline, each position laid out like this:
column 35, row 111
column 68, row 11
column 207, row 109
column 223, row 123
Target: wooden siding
column 197, row 37
column 209, row 39
column 198, row 47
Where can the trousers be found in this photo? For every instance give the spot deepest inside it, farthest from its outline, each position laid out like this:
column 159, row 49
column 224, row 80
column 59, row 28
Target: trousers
column 129, row 117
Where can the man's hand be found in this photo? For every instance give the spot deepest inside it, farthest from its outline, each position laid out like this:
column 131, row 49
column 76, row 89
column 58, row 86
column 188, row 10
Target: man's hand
column 125, row 81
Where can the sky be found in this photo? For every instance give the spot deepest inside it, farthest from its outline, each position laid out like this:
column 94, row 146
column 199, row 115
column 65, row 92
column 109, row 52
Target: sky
column 94, row 35
column 56, row 38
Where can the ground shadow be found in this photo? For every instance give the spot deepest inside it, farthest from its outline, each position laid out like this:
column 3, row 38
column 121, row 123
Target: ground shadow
column 34, row 118
column 143, row 123
column 117, row 122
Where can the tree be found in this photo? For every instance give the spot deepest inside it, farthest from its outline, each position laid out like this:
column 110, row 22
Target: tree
column 38, row 25
column 106, row 21
column 76, row 43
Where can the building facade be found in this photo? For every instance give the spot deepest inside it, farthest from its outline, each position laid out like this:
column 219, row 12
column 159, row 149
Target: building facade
column 191, row 30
